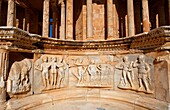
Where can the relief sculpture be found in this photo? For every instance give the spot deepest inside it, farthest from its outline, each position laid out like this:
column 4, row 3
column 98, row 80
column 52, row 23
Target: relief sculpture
column 91, row 72
column 19, row 81
column 138, row 68
column 52, row 70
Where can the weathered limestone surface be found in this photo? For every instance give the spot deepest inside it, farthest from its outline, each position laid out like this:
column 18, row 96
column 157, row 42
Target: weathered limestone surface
column 46, row 10
column 131, row 69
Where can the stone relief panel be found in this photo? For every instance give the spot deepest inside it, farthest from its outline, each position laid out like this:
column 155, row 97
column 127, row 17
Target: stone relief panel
column 19, row 80
column 52, row 70
column 136, row 73
column 61, row 71
column 91, row 71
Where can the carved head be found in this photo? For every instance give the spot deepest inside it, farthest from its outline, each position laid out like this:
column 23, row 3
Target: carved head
column 125, row 59
column 141, row 58
column 45, row 58
column 54, row 59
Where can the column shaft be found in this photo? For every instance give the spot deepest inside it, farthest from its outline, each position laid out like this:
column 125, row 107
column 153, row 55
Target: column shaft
column 27, row 20
column 69, row 24
column 130, row 17
column 169, row 12
column 0, row 11
column 110, row 19
column 62, row 27
column 54, row 24
column 89, row 19
column 4, row 63
column 145, row 14
column 11, row 13
column 45, row 31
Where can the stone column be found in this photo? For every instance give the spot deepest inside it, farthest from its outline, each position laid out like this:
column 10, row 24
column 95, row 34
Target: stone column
column 130, row 17
column 115, row 20
column 110, row 19
column 138, row 16
column 62, row 27
column 89, row 20
column 54, row 22
column 0, row 11
column 145, row 14
column 4, row 62
column 161, row 12
column 46, row 13
column 11, row 13
column 169, row 12
column 69, row 17
column 27, row 20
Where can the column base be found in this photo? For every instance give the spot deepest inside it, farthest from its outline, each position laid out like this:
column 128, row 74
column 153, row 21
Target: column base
column 90, row 38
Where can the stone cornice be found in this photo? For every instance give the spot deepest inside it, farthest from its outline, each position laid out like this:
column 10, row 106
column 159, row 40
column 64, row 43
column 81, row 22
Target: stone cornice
column 157, row 39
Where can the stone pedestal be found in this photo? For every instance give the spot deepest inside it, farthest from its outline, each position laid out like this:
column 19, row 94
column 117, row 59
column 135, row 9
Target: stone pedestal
column 46, row 13
column 4, row 59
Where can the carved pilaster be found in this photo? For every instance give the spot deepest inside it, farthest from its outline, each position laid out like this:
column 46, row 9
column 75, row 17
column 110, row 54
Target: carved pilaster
column 4, row 61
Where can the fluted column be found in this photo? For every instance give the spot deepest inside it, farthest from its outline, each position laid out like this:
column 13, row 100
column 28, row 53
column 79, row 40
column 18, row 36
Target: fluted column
column 69, row 17
column 11, row 13
column 4, row 63
column 145, row 14
column 89, row 20
column 45, row 30
column 110, row 19
column 62, row 27
column 130, row 18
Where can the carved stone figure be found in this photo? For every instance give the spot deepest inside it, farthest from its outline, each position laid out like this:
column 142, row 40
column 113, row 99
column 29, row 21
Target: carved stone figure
column 54, row 72
column 143, row 73
column 61, row 72
column 105, row 71
column 81, row 70
column 18, row 80
column 44, row 68
column 127, row 73
column 93, row 71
